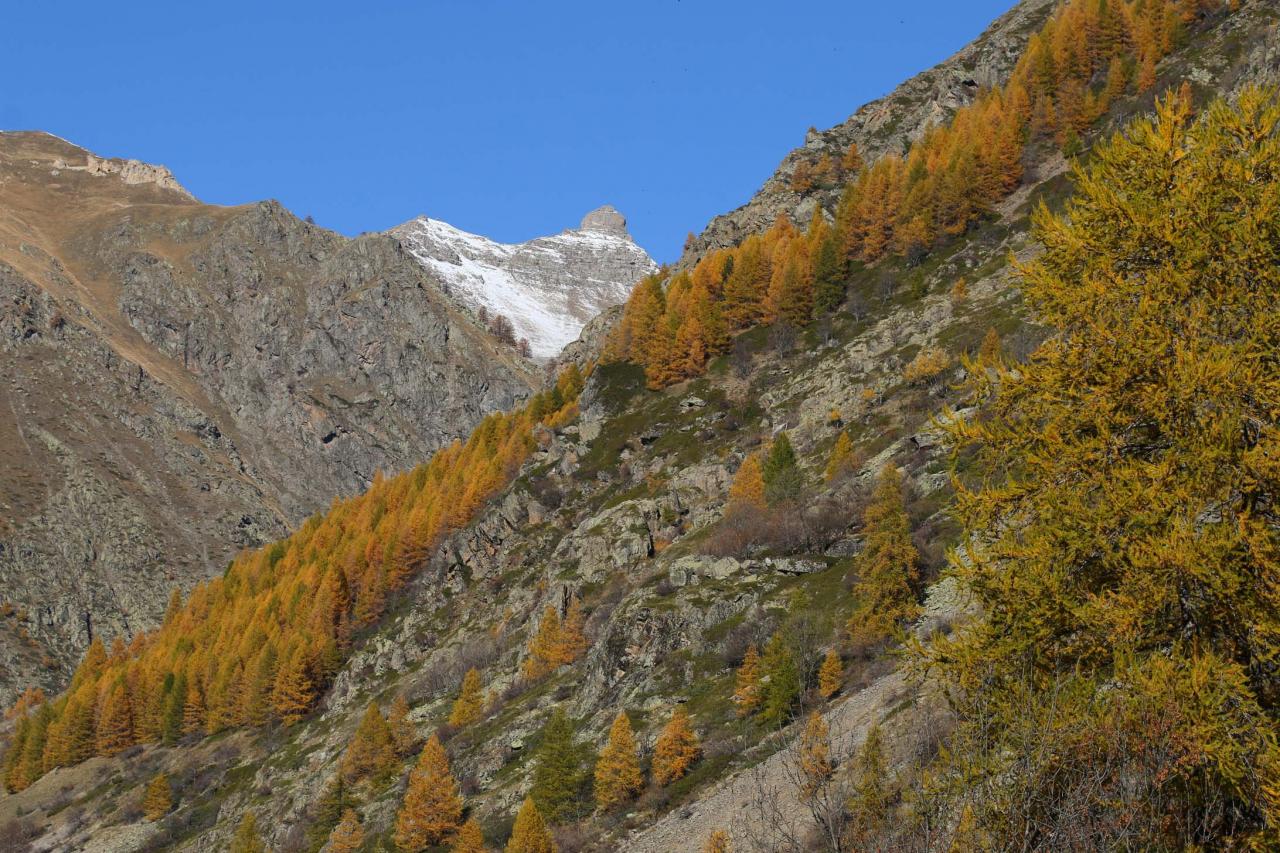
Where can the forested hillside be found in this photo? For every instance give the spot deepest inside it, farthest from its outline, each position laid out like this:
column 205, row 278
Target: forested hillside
column 943, row 522
column 1089, row 54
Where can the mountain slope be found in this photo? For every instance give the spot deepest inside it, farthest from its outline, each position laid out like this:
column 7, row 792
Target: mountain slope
column 548, row 287
column 625, row 509
column 883, row 126
column 182, row 381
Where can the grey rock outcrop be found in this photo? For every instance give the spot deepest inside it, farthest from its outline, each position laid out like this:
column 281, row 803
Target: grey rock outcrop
column 606, row 220
column 180, row 381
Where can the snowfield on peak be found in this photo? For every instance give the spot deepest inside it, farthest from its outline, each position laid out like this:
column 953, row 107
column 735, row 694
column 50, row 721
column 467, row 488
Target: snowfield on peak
column 548, row 287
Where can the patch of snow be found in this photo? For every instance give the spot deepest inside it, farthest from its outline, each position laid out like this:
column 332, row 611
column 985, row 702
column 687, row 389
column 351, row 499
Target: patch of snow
column 548, row 287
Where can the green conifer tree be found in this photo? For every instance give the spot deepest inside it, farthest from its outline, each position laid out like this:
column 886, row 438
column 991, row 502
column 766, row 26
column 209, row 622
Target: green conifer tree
column 781, row 688
column 782, row 478
column 558, row 776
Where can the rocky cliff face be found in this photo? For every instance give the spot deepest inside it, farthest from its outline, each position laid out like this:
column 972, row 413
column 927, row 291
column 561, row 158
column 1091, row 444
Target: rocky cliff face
column 549, row 288
column 882, row 126
column 181, row 381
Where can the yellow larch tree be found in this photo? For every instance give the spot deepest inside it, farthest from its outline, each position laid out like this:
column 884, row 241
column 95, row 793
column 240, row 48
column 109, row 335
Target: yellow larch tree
column 830, row 674
column 115, row 721
column 246, row 838
column 294, row 690
column 404, row 737
column 989, row 352
column 158, row 798
column 815, row 755
column 544, row 645
column 469, row 839
column 888, row 567
column 617, row 776
column 1121, row 538
column 746, row 693
column 843, row 458
column 748, row 483
column 371, row 753
column 432, row 808
column 529, row 834
column 348, row 835
column 676, row 748
column 468, row 708
column 573, row 642
column 718, row 842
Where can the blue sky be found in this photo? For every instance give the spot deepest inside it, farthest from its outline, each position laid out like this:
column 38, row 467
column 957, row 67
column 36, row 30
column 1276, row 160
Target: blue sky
column 511, row 119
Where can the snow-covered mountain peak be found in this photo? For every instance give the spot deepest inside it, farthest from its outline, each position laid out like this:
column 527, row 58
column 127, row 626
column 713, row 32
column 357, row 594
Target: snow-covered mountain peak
column 548, row 287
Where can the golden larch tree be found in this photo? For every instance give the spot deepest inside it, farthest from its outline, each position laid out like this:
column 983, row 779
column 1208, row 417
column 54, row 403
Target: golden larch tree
column 815, row 755
column 718, row 842
column 1121, row 542
column 158, row 798
column 348, row 835
column 888, row 565
column 746, row 693
column 676, row 748
column 573, row 642
column 617, row 776
column 115, row 721
column 544, row 645
column 432, row 808
column 529, row 834
column 830, row 674
column 468, row 708
column 990, row 350
column 469, row 839
column 843, row 458
column 294, row 691
column 371, row 753
column 748, row 483
column 404, row 737
column 246, row 838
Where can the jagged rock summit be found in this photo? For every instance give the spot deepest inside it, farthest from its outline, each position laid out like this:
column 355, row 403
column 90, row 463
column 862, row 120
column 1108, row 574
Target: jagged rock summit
column 549, row 287
column 607, row 220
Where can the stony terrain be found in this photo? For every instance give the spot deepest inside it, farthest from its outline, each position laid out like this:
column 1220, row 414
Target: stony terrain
column 549, row 287
column 181, row 381
column 617, row 508
column 623, row 509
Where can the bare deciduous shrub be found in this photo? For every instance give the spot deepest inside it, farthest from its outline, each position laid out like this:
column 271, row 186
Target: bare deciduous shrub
column 17, row 835
column 740, row 357
column 782, row 338
column 755, row 629
column 788, row 527
column 574, row 838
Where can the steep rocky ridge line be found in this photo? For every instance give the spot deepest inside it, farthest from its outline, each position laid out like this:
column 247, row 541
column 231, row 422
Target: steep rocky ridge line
column 183, row 380
column 882, row 126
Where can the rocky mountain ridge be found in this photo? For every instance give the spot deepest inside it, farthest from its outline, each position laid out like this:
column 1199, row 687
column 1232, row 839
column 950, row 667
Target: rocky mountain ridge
column 622, row 508
column 182, row 381
column 549, row 287
column 886, row 125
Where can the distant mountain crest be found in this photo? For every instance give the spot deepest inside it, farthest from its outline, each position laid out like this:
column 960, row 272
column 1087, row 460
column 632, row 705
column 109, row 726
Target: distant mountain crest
column 548, row 287
column 607, row 220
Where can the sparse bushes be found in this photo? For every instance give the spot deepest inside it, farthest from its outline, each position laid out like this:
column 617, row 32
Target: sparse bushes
column 928, row 365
